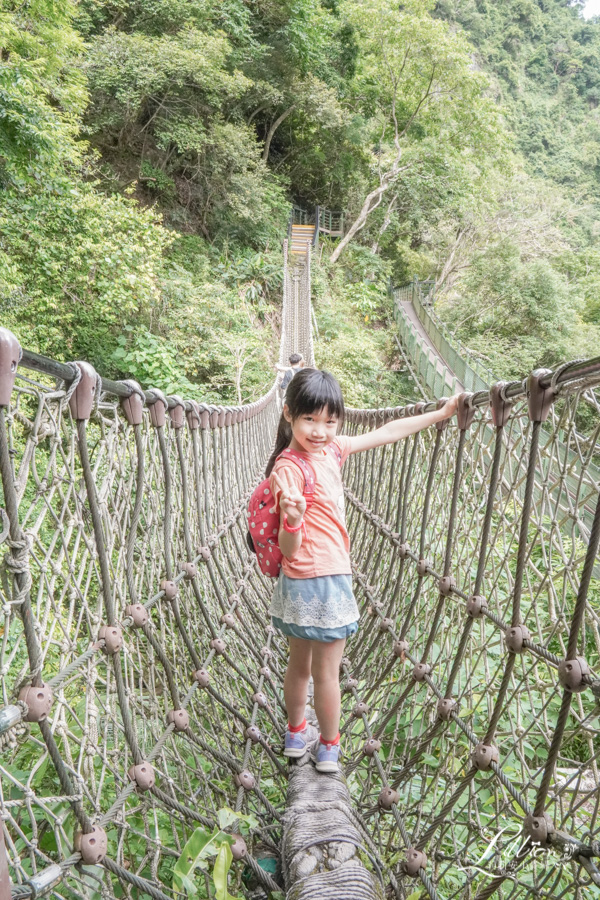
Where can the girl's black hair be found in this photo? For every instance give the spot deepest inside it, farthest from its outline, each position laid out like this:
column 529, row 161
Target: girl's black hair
column 309, row 391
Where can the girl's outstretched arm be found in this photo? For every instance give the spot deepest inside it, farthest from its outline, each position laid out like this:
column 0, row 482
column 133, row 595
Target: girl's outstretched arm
column 402, row 428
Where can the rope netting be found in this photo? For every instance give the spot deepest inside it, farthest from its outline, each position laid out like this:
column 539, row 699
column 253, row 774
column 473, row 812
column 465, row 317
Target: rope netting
column 142, row 682
column 475, row 548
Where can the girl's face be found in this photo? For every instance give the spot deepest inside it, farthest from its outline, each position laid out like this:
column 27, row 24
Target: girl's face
column 312, row 432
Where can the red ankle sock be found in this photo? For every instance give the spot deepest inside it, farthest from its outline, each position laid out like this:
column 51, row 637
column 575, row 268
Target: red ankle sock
column 336, row 740
column 297, row 728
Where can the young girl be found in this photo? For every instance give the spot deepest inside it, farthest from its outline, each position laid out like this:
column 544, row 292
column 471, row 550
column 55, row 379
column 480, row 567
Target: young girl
column 313, row 603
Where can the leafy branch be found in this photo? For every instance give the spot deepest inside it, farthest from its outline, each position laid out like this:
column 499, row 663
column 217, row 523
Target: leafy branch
column 202, row 847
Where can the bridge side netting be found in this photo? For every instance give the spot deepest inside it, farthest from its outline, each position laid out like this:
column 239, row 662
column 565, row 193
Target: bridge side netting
column 476, row 552
column 137, row 614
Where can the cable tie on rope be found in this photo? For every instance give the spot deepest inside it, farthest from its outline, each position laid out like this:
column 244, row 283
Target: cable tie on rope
column 12, row 724
column 43, row 881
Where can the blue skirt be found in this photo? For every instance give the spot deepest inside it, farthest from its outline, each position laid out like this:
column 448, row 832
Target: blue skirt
column 315, row 609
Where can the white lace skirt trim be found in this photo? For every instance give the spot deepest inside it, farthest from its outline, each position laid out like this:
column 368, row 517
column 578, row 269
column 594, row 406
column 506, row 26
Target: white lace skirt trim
column 324, row 602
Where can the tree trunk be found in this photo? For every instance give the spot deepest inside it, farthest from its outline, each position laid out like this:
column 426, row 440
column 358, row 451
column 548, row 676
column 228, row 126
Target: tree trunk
column 385, row 224
column 372, row 201
column 238, row 384
column 273, row 129
column 449, row 264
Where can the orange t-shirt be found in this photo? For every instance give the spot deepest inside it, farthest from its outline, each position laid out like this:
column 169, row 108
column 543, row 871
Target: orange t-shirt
column 325, row 548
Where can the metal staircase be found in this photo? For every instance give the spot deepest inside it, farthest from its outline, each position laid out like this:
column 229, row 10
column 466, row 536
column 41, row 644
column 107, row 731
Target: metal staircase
column 302, row 239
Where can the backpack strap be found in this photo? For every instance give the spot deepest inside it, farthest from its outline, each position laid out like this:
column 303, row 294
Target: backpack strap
column 307, row 470
column 334, row 450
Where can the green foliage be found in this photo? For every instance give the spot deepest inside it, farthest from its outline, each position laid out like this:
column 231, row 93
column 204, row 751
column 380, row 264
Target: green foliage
column 149, row 360
column 362, row 355
column 434, row 131
column 204, row 845
column 164, row 98
column 42, row 91
column 191, row 91
column 74, row 266
column 517, row 313
column 218, row 314
column 543, row 59
column 366, row 299
column 367, row 277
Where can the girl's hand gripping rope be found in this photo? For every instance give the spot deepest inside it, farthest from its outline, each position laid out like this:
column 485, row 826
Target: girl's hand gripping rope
column 450, row 406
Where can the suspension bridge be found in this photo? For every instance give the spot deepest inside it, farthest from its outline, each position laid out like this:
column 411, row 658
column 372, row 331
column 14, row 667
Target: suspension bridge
column 142, row 682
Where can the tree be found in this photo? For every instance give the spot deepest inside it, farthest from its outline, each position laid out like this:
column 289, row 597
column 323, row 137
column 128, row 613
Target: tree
column 73, row 263
column 164, row 100
column 516, row 313
column 42, row 91
column 196, row 93
column 426, row 104
column 315, row 100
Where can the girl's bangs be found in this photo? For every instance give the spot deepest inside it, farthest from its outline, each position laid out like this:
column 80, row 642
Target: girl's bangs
column 319, row 390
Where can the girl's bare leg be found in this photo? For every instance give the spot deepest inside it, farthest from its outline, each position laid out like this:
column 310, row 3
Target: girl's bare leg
column 295, row 685
column 326, row 676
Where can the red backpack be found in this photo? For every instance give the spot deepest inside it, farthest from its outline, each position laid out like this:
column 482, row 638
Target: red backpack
column 263, row 525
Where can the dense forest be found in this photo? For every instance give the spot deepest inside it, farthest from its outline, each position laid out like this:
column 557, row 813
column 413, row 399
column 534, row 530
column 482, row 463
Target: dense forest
column 150, row 151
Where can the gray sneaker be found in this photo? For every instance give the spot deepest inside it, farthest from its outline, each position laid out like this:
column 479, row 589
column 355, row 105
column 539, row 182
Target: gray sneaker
column 298, row 743
column 326, row 756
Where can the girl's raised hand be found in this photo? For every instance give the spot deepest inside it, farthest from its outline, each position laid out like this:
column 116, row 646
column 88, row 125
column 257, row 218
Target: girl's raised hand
column 291, row 502
column 450, row 406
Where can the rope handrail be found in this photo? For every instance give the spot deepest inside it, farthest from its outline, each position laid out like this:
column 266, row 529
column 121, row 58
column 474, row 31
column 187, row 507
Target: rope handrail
column 67, row 372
